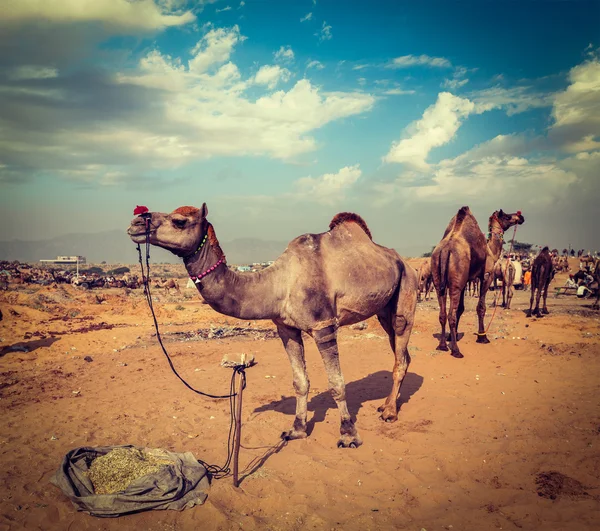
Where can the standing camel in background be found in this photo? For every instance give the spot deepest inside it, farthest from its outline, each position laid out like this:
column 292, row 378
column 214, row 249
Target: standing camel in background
column 320, row 282
column 506, row 272
column 425, row 278
column 541, row 275
column 463, row 255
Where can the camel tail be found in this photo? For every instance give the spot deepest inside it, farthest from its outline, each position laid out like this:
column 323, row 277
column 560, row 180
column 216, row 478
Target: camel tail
column 444, row 259
column 350, row 216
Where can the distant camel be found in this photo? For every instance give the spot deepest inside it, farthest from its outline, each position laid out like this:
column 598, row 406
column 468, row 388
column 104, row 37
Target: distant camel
column 541, row 275
column 320, row 282
column 425, row 278
column 505, row 271
column 463, row 255
column 473, row 287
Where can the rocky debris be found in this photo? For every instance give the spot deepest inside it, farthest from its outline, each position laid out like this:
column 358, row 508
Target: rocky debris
column 359, row 326
column 88, row 359
column 552, row 485
column 222, row 332
column 236, row 359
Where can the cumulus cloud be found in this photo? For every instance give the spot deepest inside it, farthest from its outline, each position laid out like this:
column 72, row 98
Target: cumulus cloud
column 407, row 61
column 330, row 187
column 165, row 112
column 439, row 124
column 124, row 14
column 576, row 110
column 271, row 75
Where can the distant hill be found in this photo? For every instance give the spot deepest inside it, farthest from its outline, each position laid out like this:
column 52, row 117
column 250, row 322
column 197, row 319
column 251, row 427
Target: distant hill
column 115, row 247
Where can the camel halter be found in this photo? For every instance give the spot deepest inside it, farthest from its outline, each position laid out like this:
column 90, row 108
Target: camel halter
column 198, row 278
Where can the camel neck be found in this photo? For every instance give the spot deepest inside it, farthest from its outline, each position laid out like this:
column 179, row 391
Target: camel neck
column 241, row 295
column 495, row 239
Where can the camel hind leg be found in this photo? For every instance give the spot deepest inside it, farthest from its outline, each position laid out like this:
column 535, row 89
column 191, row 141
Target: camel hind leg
column 294, row 346
column 443, row 317
column 397, row 319
column 326, row 339
column 457, row 306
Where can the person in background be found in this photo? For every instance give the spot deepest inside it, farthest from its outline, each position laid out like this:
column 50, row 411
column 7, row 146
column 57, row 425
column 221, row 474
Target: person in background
column 526, row 280
column 570, row 283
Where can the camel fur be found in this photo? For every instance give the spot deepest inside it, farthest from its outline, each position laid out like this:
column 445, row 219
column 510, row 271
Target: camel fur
column 463, row 254
column 320, row 282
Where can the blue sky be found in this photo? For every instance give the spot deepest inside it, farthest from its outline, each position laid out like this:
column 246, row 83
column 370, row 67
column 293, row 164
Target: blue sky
column 280, row 114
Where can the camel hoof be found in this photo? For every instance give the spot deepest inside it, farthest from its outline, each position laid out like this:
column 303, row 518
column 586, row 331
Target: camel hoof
column 349, row 442
column 442, row 347
column 483, row 339
column 528, row 314
column 545, row 312
column 457, row 354
column 293, row 435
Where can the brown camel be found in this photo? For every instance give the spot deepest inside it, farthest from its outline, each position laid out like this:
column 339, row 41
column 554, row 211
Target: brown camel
column 168, row 284
column 542, row 273
column 463, row 255
column 320, row 282
column 425, row 278
column 505, row 271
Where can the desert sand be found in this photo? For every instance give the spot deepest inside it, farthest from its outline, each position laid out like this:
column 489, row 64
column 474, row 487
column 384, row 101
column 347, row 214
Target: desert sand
column 506, row 438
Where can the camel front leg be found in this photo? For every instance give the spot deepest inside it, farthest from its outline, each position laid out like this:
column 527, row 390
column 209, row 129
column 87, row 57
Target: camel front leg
column 484, row 286
column 509, row 296
column 531, row 300
column 326, row 339
column 294, row 346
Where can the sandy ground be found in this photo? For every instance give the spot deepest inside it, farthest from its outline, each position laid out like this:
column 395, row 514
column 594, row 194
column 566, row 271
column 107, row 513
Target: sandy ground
column 473, row 435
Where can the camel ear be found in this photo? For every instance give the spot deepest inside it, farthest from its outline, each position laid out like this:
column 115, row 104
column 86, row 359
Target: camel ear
column 203, row 211
column 500, row 213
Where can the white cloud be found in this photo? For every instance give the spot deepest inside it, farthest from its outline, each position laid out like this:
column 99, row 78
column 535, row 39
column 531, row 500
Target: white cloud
column 508, row 177
column 124, row 14
column 438, row 126
column 306, row 17
column 214, row 48
column 576, row 110
column 284, row 54
column 33, row 72
column 162, row 114
column 330, row 187
column 226, row 8
column 271, row 75
column 315, row 64
column 514, row 100
column 325, row 33
column 398, row 92
column 458, row 79
column 407, row 61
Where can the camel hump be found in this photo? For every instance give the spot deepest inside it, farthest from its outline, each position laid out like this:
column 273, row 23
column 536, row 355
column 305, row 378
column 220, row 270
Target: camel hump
column 546, row 249
column 462, row 214
column 343, row 217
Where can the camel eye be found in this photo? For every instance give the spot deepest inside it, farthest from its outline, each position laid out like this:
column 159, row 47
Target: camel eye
column 179, row 223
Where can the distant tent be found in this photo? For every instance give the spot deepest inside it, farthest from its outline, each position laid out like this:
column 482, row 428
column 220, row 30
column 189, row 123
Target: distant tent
column 190, row 283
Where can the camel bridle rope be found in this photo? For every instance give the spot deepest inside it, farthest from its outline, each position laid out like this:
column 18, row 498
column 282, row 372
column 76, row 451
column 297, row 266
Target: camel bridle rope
column 215, row 471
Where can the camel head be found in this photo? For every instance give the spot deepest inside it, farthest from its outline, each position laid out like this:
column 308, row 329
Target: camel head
column 180, row 232
column 507, row 220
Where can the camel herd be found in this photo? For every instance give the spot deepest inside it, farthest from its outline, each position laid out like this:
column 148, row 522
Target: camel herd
column 340, row 277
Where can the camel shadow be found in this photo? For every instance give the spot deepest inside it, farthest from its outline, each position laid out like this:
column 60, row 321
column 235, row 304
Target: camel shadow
column 459, row 336
column 376, row 386
column 28, row 346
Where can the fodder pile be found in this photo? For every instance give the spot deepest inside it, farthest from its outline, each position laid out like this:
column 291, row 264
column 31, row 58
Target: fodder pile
column 116, row 470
